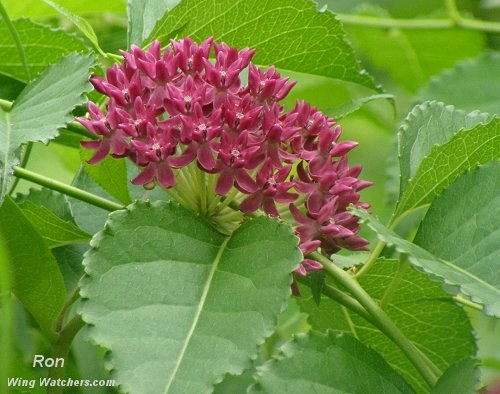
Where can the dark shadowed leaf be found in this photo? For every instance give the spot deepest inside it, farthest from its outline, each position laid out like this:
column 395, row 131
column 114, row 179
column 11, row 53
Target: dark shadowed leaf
column 317, row 363
column 417, row 306
column 36, row 279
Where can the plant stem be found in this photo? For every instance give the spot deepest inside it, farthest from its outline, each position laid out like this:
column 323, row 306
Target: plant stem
column 72, row 296
column 17, row 40
column 61, row 350
column 63, row 188
column 228, row 200
column 372, row 258
column 374, row 21
column 23, row 164
column 5, row 104
column 464, row 301
column 342, row 298
column 396, row 281
column 203, row 192
column 380, row 317
column 455, row 19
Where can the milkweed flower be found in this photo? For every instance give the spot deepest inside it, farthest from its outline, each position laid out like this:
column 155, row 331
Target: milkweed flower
column 177, row 113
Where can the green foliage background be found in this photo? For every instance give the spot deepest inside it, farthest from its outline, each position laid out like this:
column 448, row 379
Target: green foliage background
column 456, row 66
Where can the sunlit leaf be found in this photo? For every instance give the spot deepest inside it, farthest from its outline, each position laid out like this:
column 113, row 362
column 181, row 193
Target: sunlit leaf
column 169, row 295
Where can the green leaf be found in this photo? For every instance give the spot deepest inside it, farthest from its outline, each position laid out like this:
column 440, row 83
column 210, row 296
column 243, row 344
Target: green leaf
column 168, row 295
column 429, row 124
column 462, row 227
column 79, row 22
column 481, row 285
column 444, row 163
column 110, row 174
column 143, row 16
column 426, row 315
column 478, row 77
column 55, row 231
column 10, row 87
column 55, row 202
column 70, row 259
column 37, row 281
column 43, row 107
column 6, row 331
column 409, row 56
column 317, row 363
column 460, row 378
column 88, row 217
column 43, row 46
column 292, row 36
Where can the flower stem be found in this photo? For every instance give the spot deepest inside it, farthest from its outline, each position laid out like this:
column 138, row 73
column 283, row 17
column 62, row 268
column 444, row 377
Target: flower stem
column 381, row 319
column 375, row 21
column 464, row 301
column 203, row 192
column 372, row 258
column 396, row 281
column 23, row 164
column 61, row 350
column 229, row 199
column 454, row 20
column 63, row 188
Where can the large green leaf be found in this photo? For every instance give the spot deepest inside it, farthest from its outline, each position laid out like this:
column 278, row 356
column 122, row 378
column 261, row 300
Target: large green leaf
column 293, row 36
column 478, row 77
column 409, row 56
column 429, row 124
column 460, row 378
column 143, row 16
column 425, row 314
column 36, row 280
column 169, row 295
column 54, row 230
column 41, row 109
column 480, row 284
column 462, row 226
column 317, row 363
column 42, row 45
column 444, row 163
column 110, row 174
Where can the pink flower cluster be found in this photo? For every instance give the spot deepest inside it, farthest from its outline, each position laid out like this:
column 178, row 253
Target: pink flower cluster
column 166, row 110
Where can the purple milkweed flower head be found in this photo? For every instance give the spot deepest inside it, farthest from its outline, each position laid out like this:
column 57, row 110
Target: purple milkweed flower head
column 176, row 113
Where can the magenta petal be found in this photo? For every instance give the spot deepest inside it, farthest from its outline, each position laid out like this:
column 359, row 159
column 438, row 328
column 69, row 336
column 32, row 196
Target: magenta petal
column 185, row 158
column 245, row 182
column 165, row 175
column 225, row 182
column 251, row 203
column 101, row 152
column 311, row 265
column 145, row 176
column 270, row 207
column 90, row 144
column 206, row 157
